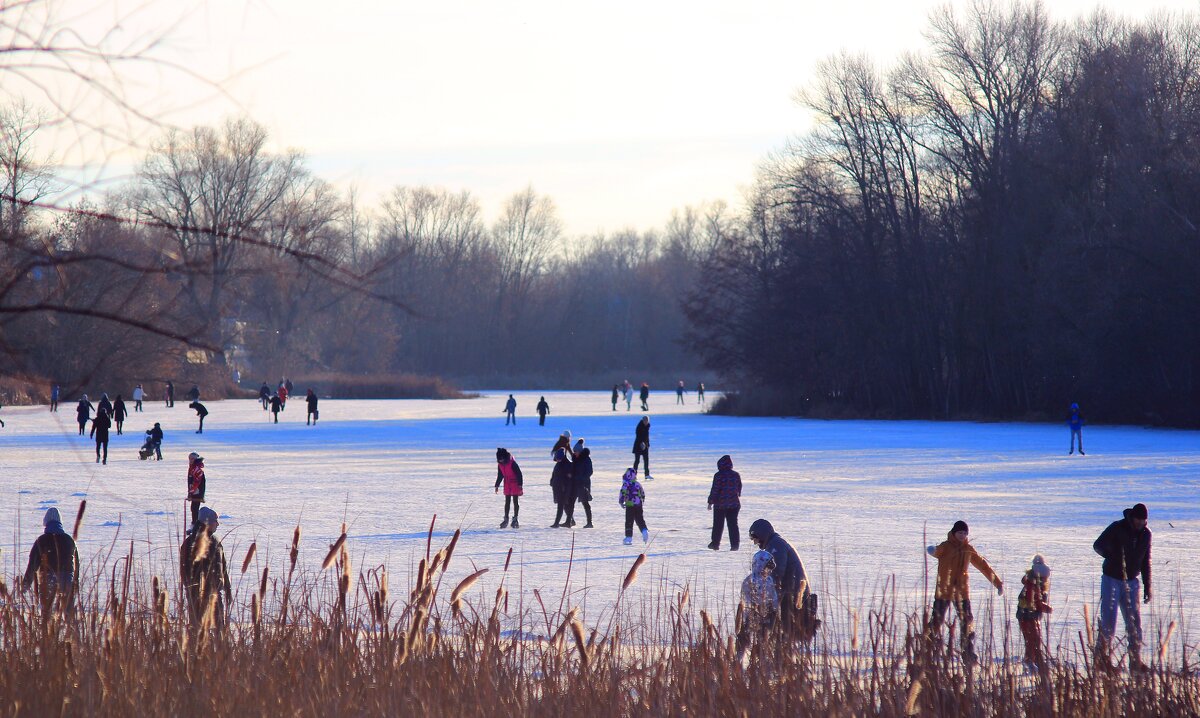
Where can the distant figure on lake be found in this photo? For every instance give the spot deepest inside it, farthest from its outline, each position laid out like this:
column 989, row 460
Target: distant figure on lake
column 1075, row 423
column 616, row 395
column 510, row 410
column 679, row 392
column 542, row 409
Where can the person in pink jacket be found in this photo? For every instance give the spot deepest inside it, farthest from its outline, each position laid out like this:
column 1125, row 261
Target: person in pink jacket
column 509, row 474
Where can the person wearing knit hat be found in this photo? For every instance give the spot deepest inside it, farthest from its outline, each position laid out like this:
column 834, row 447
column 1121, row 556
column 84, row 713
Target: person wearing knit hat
column 53, row 565
column 564, row 442
column 1032, row 604
column 1125, row 546
column 954, row 556
column 203, row 571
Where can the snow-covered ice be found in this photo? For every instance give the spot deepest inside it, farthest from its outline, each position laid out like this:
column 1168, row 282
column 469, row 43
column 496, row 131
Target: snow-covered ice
column 858, row 499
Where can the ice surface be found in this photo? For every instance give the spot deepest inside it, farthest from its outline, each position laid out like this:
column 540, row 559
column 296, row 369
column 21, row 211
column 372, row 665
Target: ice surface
column 858, row 499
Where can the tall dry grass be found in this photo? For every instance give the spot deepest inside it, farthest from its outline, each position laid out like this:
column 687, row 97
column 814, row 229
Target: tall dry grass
column 340, row 640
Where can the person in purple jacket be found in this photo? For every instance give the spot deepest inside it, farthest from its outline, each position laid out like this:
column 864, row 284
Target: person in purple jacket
column 724, row 500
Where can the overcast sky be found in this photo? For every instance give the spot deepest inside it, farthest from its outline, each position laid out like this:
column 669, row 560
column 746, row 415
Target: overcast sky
column 620, row 111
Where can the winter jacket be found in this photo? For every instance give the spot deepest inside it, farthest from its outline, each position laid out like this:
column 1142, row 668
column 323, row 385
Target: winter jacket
column 1126, row 552
column 789, row 575
column 1075, row 420
column 1033, row 601
column 200, row 408
column 615, row 395
column 104, row 407
column 632, row 493
column 560, row 480
column 312, row 403
column 119, row 410
column 641, row 438
column 954, row 557
column 53, row 561
column 276, row 404
column 644, row 393
column 760, row 600
column 139, row 393
column 196, row 481
column 156, row 434
column 264, row 392
column 84, row 410
column 726, row 486
column 54, row 393
column 509, row 473
column 101, row 425
column 207, row 570
column 510, row 405
column 581, row 471
column 542, row 408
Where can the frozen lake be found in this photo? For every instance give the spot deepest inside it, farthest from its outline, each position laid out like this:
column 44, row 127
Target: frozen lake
column 858, row 499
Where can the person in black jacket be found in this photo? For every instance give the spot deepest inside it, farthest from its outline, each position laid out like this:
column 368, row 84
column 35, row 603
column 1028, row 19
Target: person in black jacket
column 311, row 399
column 644, row 395
column 641, row 446
column 616, row 394
column 542, row 409
column 203, row 571
column 100, row 426
column 105, row 406
column 1125, row 546
column 560, row 486
column 193, row 394
column 170, row 394
column 119, row 413
column 201, row 411
column 53, row 566
column 797, row 607
column 276, row 406
column 581, row 483
column 154, row 439
column 83, row 413
column 264, row 395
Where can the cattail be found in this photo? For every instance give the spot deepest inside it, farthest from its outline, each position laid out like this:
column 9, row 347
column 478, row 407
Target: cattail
column 333, row 552
column 683, row 597
column 1087, row 624
column 450, row 549
column 295, row 554
column 577, row 631
column 79, row 519
column 420, row 577
column 1162, row 648
column 210, row 610
column 914, row 692
column 437, row 560
column 255, row 609
column 508, row 559
column 854, row 631
column 633, row 572
column 200, row 548
column 262, row 586
column 249, row 556
column 466, row 583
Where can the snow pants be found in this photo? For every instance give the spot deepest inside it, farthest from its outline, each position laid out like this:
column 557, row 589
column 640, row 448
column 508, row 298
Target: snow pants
column 1031, row 631
column 645, row 457
column 721, row 518
column 1117, row 594
column 633, row 514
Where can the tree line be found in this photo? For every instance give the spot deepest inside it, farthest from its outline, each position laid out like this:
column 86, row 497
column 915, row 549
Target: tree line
column 997, row 227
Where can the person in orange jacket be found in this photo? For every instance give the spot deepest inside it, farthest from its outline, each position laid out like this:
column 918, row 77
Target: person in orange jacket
column 954, row 556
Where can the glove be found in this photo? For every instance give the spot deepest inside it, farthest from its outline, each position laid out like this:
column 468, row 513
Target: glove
column 1000, row 590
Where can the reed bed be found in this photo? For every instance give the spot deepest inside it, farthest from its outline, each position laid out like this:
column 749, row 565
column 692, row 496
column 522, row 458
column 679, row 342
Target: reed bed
column 341, row 640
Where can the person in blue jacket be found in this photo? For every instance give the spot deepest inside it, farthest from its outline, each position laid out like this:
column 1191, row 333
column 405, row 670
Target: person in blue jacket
column 1075, row 422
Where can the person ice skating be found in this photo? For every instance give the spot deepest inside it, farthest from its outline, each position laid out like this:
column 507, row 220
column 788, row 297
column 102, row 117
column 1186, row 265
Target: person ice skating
column 627, row 390
column 311, row 399
column 1032, row 604
column 153, row 445
column 581, row 482
column 170, row 396
column 633, row 498
column 954, row 556
column 83, row 413
column 1075, row 423
column 1125, row 546
column 700, row 393
column 560, row 486
column 203, row 571
column 679, row 392
column 508, row 474
column 797, row 604
column 641, row 446
column 264, row 396
column 564, row 442
column 100, row 427
column 283, row 392
column 120, row 413
column 616, row 395
column 139, row 394
column 53, row 568
column 54, row 392
column 724, row 501
column 201, row 411
column 644, row 395
column 759, row 604
column 542, row 409
column 510, row 411
column 276, row 407
column 196, row 483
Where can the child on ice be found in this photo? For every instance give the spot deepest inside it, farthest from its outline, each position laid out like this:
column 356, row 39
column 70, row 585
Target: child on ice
column 1031, row 604
column 760, row 603
column 509, row 474
column 632, row 498
column 954, row 556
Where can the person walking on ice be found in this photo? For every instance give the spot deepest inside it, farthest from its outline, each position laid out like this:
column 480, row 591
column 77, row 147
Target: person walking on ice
column 201, row 411
column 759, row 609
column 120, row 413
column 139, row 395
column 313, row 413
column 276, row 406
column 700, row 393
column 1032, row 604
column 510, row 410
column 616, row 395
column 264, row 396
column 196, row 483
column 581, row 482
column 633, row 499
column 641, row 446
column 627, row 391
column 508, row 473
column 1125, row 547
column 54, row 392
column 679, row 392
column 100, row 427
column 644, row 395
column 954, row 556
column 724, row 501
column 83, row 413
column 1075, row 422
column 542, row 409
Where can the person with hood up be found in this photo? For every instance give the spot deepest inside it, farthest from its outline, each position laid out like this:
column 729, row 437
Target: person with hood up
column 54, row 392
column 1075, row 423
column 510, row 411
column 53, row 568
column 616, row 395
column 83, row 413
column 1032, row 603
column 724, row 501
column 644, row 395
column 581, row 482
column 633, row 499
column 120, row 413
column 564, row 442
column 104, row 406
column 560, row 486
column 542, row 409
column 196, row 483
column 201, row 411
column 139, row 395
column 954, row 556
column 203, row 571
column 100, row 427
column 264, row 396
column 1125, row 547
column 276, row 407
column 759, row 607
column 508, row 473
column 797, row 605
column 313, row 414
column 641, row 446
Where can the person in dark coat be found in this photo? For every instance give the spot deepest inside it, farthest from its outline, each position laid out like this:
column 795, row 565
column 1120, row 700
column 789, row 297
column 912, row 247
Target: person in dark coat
column 196, row 483
column 542, row 409
column 276, row 406
column 797, row 611
column 510, row 411
column 564, row 442
column 119, row 413
column 105, row 405
column 700, row 393
column 1075, row 423
column 311, row 399
column 724, row 500
column 100, row 426
column 581, row 483
column 641, row 446
column 193, row 394
column 53, row 569
column 616, row 395
column 156, row 438
column 264, row 395
column 201, row 411
column 508, row 473
column 1125, row 546
column 287, row 384
column 83, row 413
column 203, row 571
column 679, row 392
column 54, row 392
column 644, row 395
column 170, row 394
column 560, row 486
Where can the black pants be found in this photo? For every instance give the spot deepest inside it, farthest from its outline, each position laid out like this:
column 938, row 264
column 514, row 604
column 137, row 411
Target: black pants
column 541, row 419
column 516, row 506
column 54, row 406
column 276, row 417
column 721, row 518
column 645, row 457
column 584, row 497
column 195, row 511
column 633, row 514
column 119, row 423
column 965, row 619
column 82, row 426
column 102, row 441
column 138, row 405
column 201, row 429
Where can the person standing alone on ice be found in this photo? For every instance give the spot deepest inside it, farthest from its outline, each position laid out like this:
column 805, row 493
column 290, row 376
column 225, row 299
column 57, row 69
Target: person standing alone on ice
column 679, row 392
column 1125, row 546
column 120, row 413
column 510, row 410
column 1031, row 605
column 627, row 390
column 313, row 414
column 1075, row 422
column 170, row 394
column 196, row 483
column 53, row 568
column 542, row 409
column 644, row 395
column 201, row 411
column 641, row 446
column 139, row 394
column 276, row 407
column 954, row 556
column 633, row 498
column 724, row 501
column 100, row 426
column 54, row 391
column 509, row 474
column 202, row 570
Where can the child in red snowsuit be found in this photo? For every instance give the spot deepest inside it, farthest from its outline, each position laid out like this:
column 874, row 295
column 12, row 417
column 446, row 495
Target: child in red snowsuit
column 1031, row 604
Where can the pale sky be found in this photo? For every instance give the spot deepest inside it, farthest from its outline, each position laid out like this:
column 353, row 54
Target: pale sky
column 619, row 111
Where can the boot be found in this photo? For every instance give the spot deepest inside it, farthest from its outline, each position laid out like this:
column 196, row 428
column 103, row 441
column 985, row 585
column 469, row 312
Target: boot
column 588, row 525
column 570, row 523
column 714, row 547
column 504, row 525
column 515, row 524
column 628, row 541
column 645, row 536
